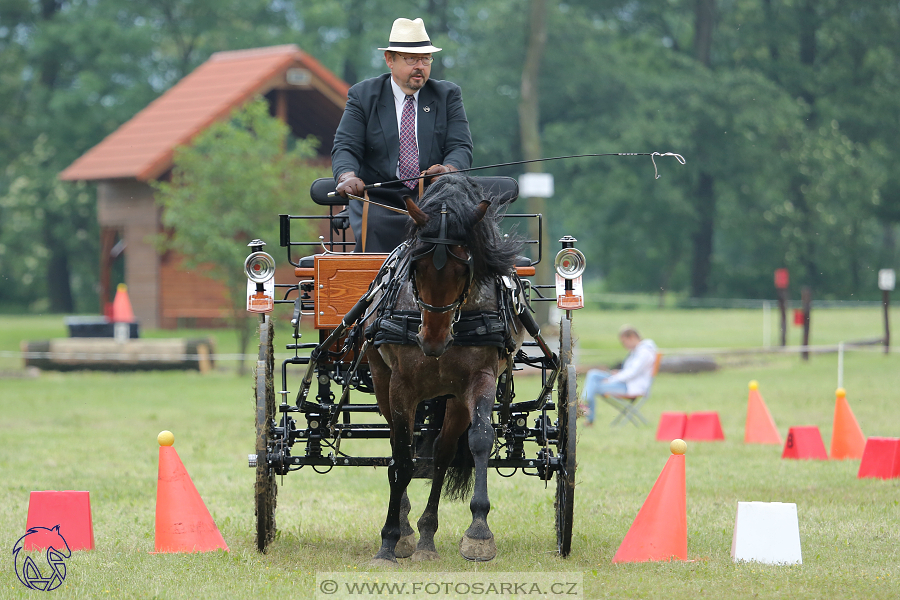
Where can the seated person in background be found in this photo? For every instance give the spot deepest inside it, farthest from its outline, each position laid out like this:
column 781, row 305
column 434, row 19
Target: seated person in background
column 632, row 380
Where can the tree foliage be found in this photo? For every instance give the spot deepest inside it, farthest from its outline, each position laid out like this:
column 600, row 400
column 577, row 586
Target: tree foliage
column 785, row 110
column 227, row 188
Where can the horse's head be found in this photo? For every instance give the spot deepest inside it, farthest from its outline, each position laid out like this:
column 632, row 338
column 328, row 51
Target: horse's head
column 441, row 268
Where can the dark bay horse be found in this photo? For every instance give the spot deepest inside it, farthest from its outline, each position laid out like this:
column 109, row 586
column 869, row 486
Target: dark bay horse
column 457, row 253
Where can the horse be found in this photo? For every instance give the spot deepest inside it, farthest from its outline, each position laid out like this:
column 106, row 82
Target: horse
column 456, row 253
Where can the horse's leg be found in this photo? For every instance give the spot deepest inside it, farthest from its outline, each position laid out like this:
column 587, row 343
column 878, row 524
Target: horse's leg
column 381, row 376
column 406, row 545
column 399, row 475
column 478, row 542
column 456, row 419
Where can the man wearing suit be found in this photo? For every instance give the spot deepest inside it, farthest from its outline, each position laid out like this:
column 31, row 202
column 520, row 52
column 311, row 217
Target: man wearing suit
column 397, row 125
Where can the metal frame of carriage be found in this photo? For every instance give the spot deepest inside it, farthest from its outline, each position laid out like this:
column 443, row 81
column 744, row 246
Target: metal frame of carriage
column 308, row 429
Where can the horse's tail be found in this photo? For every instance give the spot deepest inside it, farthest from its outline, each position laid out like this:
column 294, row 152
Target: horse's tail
column 458, row 481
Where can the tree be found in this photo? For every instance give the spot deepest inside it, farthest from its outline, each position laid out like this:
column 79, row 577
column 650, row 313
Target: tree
column 529, row 127
column 227, row 188
column 48, row 252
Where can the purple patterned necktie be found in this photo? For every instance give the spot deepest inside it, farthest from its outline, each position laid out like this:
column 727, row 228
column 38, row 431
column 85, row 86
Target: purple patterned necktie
column 409, row 151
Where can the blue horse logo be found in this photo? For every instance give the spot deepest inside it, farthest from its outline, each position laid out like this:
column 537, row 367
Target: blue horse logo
column 28, row 571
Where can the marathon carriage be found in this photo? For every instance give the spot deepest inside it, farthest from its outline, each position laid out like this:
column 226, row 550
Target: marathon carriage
column 311, row 402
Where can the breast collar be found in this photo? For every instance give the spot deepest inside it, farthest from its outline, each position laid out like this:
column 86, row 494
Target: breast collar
column 439, row 248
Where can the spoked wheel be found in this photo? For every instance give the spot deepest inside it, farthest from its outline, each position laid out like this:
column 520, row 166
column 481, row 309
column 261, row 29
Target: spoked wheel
column 266, row 488
column 567, row 406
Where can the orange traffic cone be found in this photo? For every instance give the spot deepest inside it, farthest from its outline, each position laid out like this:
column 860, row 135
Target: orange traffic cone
column 183, row 524
column 760, row 428
column 121, row 309
column 659, row 531
column 847, row 439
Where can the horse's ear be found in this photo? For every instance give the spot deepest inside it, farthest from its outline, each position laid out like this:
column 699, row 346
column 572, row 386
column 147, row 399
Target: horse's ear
column 415, row 213
column 481, row 210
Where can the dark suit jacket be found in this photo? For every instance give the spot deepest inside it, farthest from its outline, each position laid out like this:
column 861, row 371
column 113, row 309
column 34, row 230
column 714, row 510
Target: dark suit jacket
column 367, row 142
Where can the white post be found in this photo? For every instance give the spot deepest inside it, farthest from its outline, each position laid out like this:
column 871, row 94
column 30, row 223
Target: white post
column 841, row 365
column 767, row 324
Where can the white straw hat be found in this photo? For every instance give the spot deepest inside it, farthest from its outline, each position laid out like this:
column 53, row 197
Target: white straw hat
column 410, row 36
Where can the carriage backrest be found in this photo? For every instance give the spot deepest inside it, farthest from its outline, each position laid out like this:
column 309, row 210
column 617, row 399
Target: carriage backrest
column 501, row 190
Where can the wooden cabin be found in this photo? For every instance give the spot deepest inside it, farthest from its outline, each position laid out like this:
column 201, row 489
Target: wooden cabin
column 300, row 91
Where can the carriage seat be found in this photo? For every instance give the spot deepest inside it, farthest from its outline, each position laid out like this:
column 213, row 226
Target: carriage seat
column 498, row 189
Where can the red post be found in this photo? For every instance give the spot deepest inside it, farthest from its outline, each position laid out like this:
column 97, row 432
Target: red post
column 782, row 279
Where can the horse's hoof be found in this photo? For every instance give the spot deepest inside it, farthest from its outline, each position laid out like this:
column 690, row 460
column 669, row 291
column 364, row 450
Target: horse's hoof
column 405, row 546
column 477, row 550
column 423, row 555
column 384, row 563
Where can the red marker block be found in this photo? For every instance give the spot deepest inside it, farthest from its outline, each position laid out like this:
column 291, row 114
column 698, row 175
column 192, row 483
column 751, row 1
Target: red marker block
column 671, row 426
column 881, row 458
column 70, row 510
column 704, row 426
column 804, row 443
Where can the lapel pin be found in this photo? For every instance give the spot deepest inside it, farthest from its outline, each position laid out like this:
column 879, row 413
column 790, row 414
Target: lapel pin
column 426, row 108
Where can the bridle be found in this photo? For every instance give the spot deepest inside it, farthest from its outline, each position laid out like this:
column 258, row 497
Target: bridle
column 438, row 249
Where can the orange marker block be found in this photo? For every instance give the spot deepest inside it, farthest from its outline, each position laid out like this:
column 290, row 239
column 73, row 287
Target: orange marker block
column 847, row 439
column 659, row 531
column 760, row 428
column 183, row 523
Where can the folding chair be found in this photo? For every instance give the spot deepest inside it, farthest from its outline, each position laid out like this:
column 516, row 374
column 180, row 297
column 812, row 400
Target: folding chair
column 629, row 406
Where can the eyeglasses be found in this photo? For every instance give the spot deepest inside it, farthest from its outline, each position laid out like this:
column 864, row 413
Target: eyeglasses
column 412, row 60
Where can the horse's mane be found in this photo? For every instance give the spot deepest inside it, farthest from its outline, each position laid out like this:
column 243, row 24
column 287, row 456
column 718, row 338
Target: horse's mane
column 493, row 254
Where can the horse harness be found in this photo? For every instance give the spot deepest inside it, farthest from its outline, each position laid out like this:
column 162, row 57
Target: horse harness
column 469, row 328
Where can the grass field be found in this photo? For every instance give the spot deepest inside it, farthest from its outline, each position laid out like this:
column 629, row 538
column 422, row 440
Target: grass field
column 97, row 432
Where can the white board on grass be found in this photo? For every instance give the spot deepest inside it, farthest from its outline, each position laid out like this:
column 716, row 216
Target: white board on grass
column 767, row 532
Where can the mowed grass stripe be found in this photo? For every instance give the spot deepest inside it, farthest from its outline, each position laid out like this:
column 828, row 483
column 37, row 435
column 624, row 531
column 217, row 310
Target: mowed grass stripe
column 97, row 431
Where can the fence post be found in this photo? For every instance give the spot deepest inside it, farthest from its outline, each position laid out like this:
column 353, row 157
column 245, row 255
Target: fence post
column 886, row 281
column 806, row 299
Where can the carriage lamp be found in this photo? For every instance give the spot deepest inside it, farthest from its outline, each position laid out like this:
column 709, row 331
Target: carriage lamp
column 569, row 265
column 260, row 270
column 260, row 267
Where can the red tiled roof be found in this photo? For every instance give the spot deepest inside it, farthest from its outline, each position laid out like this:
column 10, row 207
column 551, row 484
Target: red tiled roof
column 143, row 147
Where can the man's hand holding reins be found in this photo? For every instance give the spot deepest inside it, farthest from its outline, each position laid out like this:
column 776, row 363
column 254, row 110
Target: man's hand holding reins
column 349, row 183
column 435, row 171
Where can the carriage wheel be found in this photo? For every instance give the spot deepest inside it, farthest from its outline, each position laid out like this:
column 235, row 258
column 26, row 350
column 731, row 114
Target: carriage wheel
column 567, row 406
column 266, row 489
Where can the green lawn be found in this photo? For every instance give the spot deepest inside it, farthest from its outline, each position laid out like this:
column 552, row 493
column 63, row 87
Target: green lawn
column 97, row 432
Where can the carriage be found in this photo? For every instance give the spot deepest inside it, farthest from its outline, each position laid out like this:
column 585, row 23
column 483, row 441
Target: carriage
column 333, row 383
